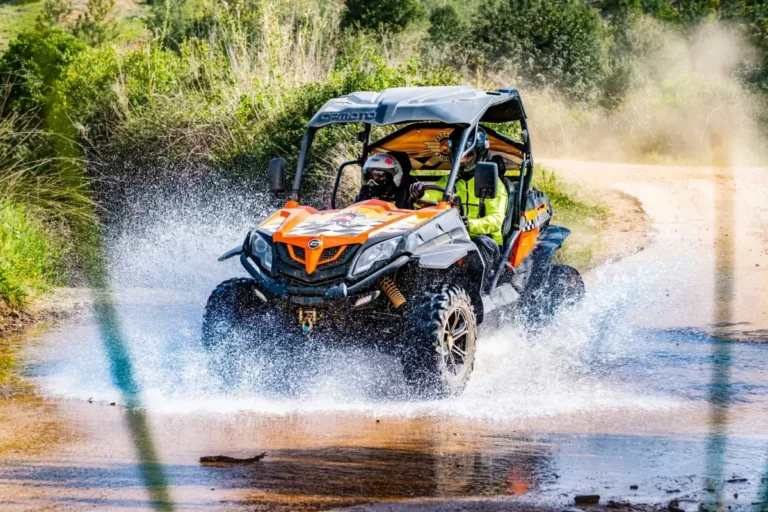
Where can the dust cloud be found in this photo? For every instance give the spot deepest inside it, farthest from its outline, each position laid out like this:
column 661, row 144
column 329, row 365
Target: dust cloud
column 684, row 99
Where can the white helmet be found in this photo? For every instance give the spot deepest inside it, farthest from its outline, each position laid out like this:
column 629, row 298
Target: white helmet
column 382, row 163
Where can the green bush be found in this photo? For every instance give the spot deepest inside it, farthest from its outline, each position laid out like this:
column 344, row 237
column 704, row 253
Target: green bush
column 388, row 15
column 102, row 89
column 28, row 257
column 559, row 43
column 446, row 26
column 176, row 21
column 32, row 64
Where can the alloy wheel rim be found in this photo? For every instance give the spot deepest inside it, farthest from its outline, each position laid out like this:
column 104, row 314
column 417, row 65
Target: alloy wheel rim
column 455, row 341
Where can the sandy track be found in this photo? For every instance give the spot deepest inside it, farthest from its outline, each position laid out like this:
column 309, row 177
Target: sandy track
column 685, row 207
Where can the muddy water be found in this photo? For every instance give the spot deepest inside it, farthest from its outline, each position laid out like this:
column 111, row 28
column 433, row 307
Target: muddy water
column 615, row 393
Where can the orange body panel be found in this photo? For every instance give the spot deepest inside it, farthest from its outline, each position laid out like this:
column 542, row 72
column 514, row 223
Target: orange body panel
column 523, row 246
column 297, row 226
column 527, row 239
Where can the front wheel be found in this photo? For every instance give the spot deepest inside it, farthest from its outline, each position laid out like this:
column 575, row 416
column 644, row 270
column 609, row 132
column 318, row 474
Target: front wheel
column 238, row 327
column 438, row 353
column 230, row 308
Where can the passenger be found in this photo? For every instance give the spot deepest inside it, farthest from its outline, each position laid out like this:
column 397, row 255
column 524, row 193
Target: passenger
column 384, row 179
column 485, row 227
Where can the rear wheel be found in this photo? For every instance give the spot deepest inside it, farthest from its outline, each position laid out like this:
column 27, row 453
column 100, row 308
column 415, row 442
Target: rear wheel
column 566, row 287
column 438, row 354
column 562, row 287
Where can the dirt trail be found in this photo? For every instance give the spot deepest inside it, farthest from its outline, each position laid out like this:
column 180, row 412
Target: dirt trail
column 557, row 430
column 682, row 203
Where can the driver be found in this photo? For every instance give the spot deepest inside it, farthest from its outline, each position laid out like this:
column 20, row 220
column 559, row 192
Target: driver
column 382, row 176
column 485, row 230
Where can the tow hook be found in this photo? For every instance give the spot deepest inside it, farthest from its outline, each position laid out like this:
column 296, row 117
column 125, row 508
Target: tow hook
column 307, row 319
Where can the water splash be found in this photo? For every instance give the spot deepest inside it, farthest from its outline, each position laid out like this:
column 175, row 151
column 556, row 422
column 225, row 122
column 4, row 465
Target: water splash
column 165, row 267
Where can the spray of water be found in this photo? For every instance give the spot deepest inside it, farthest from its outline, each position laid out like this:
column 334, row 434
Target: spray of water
column 163, row 265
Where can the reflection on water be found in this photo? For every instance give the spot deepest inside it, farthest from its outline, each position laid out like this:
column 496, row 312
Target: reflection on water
column 320, row 461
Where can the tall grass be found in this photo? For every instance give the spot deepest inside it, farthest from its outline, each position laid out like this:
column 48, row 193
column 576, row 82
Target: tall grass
column 43, row 200
column 37, row 172
column 29, row 256
column 230, row 100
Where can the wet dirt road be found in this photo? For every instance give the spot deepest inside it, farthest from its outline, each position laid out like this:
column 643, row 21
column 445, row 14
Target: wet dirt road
column 616, row 393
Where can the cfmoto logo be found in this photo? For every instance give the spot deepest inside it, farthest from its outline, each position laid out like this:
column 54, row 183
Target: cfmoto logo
column 314, row 243
column 348, row 116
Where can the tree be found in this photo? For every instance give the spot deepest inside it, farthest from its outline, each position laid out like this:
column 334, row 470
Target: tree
column 446, row 26
column 548, row 42
column 94, row 26
column 54, row 13
column 389, row 15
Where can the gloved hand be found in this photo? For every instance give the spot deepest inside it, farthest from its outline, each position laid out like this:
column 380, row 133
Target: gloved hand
column 416, row 190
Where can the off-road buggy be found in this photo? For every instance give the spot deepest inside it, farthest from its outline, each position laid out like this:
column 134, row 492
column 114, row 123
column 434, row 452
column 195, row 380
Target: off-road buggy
column 410, row 279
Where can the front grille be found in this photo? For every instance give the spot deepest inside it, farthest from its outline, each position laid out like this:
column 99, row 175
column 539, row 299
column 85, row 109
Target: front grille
column 329, row 254
column 332, row 257
column 285, row 257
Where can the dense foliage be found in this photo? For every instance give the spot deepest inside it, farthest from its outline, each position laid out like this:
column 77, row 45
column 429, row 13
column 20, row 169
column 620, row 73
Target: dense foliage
column 32, row 65
column 222, row 87
column 390, row 15
column 548, row 42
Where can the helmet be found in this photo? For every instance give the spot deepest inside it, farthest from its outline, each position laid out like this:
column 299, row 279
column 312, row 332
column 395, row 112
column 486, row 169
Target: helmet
column 475, row 150
column 382, row 174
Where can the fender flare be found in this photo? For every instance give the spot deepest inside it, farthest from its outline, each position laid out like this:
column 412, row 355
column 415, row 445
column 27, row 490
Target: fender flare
column 444, row 256
column 550, row 241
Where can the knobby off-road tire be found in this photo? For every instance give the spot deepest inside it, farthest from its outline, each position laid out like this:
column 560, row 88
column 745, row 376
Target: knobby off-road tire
column 229, row 313
column 565, row 288
column 562, row 287
column 246, row 338
column 438, row 351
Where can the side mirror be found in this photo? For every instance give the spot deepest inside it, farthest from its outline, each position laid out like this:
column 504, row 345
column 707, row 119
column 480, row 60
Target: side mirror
column 486, row 180
column 276, row 175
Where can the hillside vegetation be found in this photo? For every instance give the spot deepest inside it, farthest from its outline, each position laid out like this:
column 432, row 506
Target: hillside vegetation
column 97, row 97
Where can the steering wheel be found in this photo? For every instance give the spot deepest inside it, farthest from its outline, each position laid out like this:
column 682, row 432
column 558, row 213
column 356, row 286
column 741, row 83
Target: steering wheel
column 424, row 202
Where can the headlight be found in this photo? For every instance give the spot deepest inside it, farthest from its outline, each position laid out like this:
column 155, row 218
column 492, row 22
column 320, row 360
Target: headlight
column 375, row 253
column 262, row 251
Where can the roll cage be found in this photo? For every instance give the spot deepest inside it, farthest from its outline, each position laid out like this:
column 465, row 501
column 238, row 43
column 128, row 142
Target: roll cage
column 459, row 107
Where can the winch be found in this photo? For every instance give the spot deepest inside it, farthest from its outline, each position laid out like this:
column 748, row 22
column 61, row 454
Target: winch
column 307, row 319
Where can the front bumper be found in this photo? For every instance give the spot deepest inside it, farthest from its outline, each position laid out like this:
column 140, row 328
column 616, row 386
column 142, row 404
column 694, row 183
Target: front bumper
column 311, row 295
